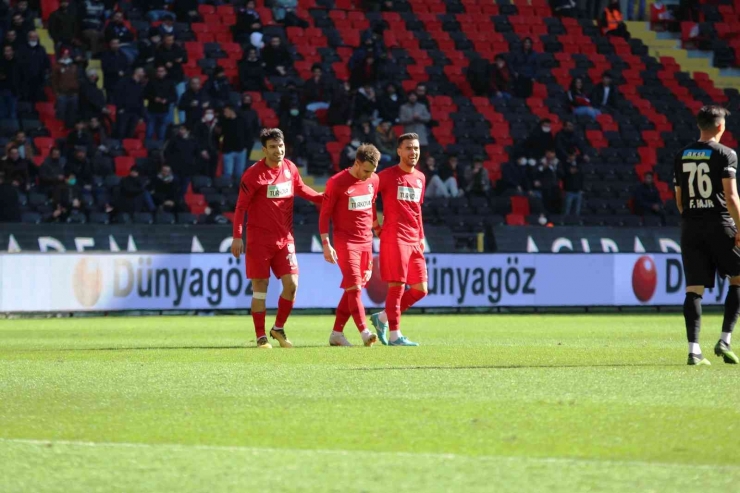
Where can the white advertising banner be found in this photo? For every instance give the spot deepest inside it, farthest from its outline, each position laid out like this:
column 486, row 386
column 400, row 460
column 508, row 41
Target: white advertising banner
column 110, row 282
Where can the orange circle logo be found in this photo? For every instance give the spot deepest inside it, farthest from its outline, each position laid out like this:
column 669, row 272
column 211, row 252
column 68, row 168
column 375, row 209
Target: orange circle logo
column 87, row 282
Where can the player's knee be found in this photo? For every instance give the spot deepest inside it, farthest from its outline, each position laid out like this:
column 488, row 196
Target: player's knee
column 735, row 281
column 290, row 287
column 259, row 285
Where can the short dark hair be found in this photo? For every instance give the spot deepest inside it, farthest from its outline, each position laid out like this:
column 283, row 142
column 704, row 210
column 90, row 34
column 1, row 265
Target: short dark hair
column 316, row 66
column 271, row 134
column 709, row 117
column 368, row 153
column 408, row 136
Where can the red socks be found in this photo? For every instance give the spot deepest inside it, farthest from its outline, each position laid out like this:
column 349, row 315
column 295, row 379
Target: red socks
column 259, row 323
column 410, row 297
column 283, row 312
column 343, row 314
column 393, row 306
column 354, row 297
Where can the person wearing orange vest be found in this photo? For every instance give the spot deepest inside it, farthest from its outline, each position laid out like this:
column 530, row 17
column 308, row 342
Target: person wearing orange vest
column 612, row 22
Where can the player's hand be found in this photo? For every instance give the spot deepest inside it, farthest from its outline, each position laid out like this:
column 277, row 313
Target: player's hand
column 737, row 239
column 237, row 247
column 330, row 255
column 421, row 246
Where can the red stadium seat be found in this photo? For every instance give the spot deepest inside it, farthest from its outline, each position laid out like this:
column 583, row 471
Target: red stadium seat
column 515, row 220
column 132, row 144
column 123, row 165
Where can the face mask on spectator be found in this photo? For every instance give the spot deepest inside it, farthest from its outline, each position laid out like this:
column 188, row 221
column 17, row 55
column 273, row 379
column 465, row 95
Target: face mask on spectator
column 33, row 44
column 209, row 117
column 294, row 112
column 546, row 128
column 72, row 181
column 166, row 179
column 522, row 161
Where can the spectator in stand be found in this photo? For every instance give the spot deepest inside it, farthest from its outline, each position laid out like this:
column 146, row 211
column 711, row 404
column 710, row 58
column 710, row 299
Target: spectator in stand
column 565, row 8
column 117, row 29
column 277, row 58
column 479, row 76
column 364, row 73
column 115, row 66
column 181, row 152
column 167, row 192
column 160, row 95
column 567, row 139
column 604, row 96
column 349, row 153
column 284, row 12
column 386, row 141
column 134, row 196
column 341, row 108
column 101, row 159
column 35, row 68
column 21, row 26
column 155, row 9
column 172, row 56
column 366, row 104
column 435, row 187
column 129, row 101
column 501, row 78
column 63, row 25
column 251, row 122
column 291, row 118
column 148, row 48
column 477, row 182
column 451, row 176
column 26, row 150
column 389, row 105
column 317, row 90
column 66, row 87
column 93, row 19
column 10, row 209
column 66, row 199
column 51, row 171
column 167, row 26
column 11, row 39
column 186, row 11
column 572, row 177
column 21, row 7
column 80, row 166
column 547, row 181
column 252, row 73
column 421, row 94
column 207, row 137
column 580, row 104
column 10, row 83
column 218, row 88
column 17, row 170
column 365, row 133
column 233, row 129
column 248, row 28
column 193, row 102
column 515, row 178
column 539, row 140
column 92, row 100
column 646, row 199
column 79, row 137
column 612, row 22
column 368, row 48
column 415, row 117
column 524, row 65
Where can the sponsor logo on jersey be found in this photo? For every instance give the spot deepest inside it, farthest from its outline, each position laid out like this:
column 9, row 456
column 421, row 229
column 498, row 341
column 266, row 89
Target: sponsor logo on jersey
column 409, row 194
column 418, row 182
column 696, row 154
column 280, row 191
column 287, row 173
column 350, row 190
column 361, row 202
column 370, row 187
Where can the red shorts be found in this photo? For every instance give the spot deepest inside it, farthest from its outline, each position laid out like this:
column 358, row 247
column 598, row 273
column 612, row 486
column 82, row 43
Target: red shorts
column 261, row 258
column 402, row 263
column 356, row 266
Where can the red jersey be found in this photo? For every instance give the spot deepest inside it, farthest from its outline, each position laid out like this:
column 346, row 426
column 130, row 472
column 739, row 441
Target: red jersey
column 266, row 196
column 403, row 194
column 349, row 204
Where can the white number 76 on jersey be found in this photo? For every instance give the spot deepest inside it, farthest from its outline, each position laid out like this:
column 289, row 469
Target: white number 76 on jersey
column 702, row 180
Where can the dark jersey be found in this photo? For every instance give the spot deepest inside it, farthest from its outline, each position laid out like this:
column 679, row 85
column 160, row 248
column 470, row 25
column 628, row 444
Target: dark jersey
column 699, row 169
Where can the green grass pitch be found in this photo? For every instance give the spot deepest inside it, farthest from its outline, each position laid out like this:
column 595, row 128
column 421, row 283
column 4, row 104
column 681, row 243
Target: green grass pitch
column 504, row 403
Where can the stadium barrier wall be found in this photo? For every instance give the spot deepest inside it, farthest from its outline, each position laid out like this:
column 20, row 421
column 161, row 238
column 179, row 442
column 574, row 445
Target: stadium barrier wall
column 114, row 282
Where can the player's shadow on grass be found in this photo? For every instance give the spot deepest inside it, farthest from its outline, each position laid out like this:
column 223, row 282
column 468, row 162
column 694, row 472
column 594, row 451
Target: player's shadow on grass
column 163, row 348
column 514, row 367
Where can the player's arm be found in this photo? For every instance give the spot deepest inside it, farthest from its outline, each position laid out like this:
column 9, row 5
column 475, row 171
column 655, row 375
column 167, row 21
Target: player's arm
column 304, row 191
column 246, row 191
column 679, row 199
column 327, row 209
column 677, row 165
column 376, row 223
column 421, row 218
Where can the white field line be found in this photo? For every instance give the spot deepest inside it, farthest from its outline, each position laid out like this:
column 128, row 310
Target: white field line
column 339, row 452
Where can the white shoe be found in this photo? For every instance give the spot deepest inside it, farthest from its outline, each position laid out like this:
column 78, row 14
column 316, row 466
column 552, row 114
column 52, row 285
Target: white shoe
column 368, row 338
column 338, row 339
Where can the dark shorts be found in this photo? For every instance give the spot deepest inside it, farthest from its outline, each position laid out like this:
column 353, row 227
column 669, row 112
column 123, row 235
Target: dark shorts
column 708, row 248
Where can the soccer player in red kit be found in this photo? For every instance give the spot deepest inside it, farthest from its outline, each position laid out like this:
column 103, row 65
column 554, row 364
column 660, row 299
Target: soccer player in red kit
column 401, row 241
column 266, row 195
column 349, row 201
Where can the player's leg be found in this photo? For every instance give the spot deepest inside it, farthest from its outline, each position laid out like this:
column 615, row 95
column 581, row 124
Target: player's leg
column 336, row 338
column 728, row 263
column 699, row 271
column 285, row 266
column 417, row 280
column 258, row 271
column 394, row 261
column 354, row 265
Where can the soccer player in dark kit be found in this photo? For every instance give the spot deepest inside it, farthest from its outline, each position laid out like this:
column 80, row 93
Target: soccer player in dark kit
column 266, row 195
column 706, row 195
